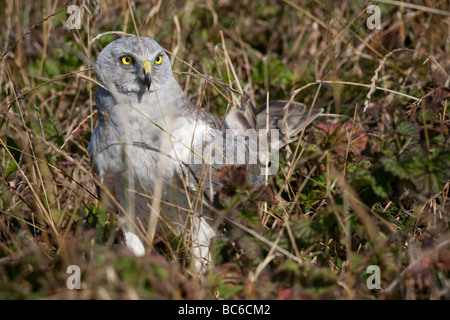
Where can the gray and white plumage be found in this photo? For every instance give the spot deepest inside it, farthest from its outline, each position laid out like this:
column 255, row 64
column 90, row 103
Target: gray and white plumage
column 144, row 142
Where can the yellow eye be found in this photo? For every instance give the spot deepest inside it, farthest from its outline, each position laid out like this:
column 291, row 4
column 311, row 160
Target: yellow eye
column 126, row 60
column 158, row 60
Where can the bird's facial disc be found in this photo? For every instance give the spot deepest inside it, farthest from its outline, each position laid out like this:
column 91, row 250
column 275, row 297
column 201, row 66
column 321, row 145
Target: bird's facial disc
column 134, row 65
column 140, row 69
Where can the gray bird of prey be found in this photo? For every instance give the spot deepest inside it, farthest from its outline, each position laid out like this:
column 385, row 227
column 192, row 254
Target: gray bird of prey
column 156, row 154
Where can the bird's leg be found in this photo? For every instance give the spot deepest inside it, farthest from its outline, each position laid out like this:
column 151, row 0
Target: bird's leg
column 201, row 240
column 133, row 242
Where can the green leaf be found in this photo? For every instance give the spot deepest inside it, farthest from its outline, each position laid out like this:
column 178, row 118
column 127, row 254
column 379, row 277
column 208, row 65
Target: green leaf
column 305, row 231
column 429, row 175
column 11, row 166
column 361, row 178
column 395, row 167
column 227, row 291
column 52, row 68
column 380, row 191
column 407, row 129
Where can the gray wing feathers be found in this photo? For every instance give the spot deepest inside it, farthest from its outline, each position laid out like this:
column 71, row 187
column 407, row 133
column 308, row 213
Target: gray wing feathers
column 289, row 118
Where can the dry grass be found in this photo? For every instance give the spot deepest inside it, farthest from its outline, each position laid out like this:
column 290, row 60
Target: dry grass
column 368, row 185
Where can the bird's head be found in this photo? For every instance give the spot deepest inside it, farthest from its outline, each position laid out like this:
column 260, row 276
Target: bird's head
column 133, row 65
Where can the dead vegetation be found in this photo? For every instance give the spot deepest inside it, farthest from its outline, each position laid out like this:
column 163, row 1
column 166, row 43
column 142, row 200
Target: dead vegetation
column 368, row 184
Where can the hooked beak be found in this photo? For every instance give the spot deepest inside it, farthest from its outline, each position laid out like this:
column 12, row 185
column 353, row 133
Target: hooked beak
column 147, row 74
